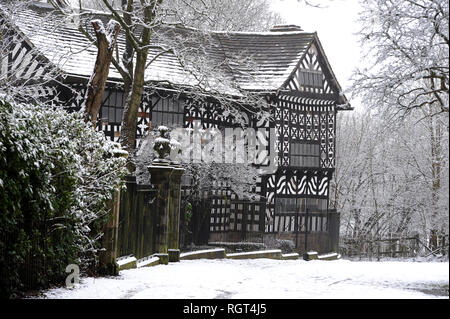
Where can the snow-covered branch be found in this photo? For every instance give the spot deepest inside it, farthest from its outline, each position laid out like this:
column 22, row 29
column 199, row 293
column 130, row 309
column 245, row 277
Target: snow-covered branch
column 407, row 44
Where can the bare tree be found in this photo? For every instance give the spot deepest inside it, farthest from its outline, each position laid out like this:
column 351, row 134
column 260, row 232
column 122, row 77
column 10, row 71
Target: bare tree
column 392, row 180
column 106, row 42
column 220, row 15
column 407, row 44
column 402, row 187
column 141, row 23
column 226, row 15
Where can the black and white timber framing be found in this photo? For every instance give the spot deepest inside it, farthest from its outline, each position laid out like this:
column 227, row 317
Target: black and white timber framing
column 293, row 74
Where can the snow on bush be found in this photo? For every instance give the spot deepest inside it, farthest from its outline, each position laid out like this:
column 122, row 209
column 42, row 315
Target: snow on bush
column 57, row 178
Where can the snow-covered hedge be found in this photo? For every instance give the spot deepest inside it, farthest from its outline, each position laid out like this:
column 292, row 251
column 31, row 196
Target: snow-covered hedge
column 57, row 176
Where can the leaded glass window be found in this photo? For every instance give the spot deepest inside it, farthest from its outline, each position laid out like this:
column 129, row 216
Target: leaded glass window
column 305, row 154
column 311, row 78
column 167, row 111
column 112, row 106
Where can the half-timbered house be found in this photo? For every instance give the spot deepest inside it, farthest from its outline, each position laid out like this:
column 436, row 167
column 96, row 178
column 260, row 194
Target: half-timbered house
column 289, row 68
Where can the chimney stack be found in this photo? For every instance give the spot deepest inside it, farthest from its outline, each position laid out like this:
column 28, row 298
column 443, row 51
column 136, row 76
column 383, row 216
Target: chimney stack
column 286, row 28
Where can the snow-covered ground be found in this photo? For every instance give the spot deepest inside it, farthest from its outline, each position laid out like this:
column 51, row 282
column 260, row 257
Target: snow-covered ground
column 270, row 279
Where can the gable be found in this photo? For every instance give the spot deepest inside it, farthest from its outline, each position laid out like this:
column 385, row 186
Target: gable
column 312, row 74
column 24, row 68
column 20, row 62
column 273, row 56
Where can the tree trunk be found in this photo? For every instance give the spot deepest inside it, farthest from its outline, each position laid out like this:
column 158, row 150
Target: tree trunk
column 106, row 41
column 133, row 100
column 436, row 137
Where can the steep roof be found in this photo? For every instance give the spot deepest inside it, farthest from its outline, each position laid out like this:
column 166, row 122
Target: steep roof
column 270, row 57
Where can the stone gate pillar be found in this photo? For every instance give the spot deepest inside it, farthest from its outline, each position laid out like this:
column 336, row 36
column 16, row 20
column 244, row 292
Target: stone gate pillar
column 160, row 176
column 174, row 214
column 166, row 176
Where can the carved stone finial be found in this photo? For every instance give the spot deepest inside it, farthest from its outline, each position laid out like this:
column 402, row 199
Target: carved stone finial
column 162, row 144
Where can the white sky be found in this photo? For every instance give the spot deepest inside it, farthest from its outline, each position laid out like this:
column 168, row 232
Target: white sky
column 335, row 24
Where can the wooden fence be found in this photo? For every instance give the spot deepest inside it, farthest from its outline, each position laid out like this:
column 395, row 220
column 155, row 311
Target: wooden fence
column 137, row 220
column 391, row 247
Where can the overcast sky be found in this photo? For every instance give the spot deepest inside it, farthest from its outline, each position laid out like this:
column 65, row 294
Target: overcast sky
column 335, row 25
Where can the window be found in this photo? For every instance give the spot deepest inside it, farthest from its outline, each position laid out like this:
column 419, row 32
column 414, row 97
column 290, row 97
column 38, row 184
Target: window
column 305, row 154
column 286, row 205
column 314, row 204
column 311, row 78
column 294, row 205
column 167, row 111
column 112, row 106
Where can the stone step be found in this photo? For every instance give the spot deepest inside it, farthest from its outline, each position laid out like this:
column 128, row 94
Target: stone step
column 148, row 262
column 311, row 255
column 126, row 262
column 271, row 254
column 330, row 256
column 218, row 253
column 293, row 256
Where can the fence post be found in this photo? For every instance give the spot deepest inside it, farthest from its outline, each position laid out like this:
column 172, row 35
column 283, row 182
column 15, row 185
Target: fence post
column 333, row 230
column 107, row 258
column 417, row 245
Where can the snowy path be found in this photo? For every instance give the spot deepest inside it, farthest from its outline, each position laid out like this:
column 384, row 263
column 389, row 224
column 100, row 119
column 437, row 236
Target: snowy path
column 271, row 279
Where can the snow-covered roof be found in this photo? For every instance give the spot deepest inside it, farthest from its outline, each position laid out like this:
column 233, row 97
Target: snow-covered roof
column 272, row 56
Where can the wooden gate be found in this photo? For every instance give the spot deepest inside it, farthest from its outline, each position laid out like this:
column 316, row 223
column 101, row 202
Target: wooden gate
column 247, row 218
column 242, row 220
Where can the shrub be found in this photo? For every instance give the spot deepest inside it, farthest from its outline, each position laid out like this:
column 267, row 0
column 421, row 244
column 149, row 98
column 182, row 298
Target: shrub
column 57, row 176
column 286, row 246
